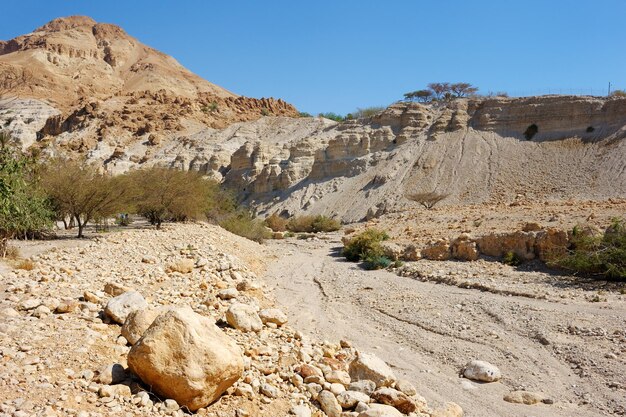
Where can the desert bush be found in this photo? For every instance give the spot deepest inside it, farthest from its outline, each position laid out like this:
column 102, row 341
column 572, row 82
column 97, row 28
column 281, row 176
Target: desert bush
column 276, row 223
column 23, row 206
column 80, row 190
column 376, row 262
column 312, row 224
column 304, row 114
column 362, row 113
column 210, row 108
column 618, row 93
column 428, row 200
column 423, row 96
column 245, row 225
column 25, row 264
column 161, row 194
column 511, row 258
column 601, row 255
column 366, row 247
column 463, row 89
column 332, row 116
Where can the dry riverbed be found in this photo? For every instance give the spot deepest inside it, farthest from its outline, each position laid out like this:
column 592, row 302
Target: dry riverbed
column 547, row 334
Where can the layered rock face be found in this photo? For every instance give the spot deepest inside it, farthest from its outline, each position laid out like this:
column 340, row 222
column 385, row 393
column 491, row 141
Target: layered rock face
column 473, row 150
column 588, row 118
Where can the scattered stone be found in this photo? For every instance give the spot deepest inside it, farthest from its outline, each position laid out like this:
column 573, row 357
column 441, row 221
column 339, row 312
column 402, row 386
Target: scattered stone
column 184, row 266
column 93, row 298
column 185, row 357
column 349, row 399
column 114, row 391
column 449, row 409
column 110, row 374
column 273, row 315
column 395, row 398
column 137, row 322
column 9, row 312
column 405, row 387
column 243, row 317
column 307, row 370
column 149, row 259
column 29, row 304
column 481, row 371
column 66, row 306
column 269, row 390
column 523, row 397
column 341, row 377
column 369, row 366
column 114, row 289
column 365, row 386
column 118, row 308
column 329, row 404
column 300, row 411
column 228, row 294
column 381, row 410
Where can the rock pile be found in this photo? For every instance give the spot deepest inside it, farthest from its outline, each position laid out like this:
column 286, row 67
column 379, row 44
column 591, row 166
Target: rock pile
column 113, row 330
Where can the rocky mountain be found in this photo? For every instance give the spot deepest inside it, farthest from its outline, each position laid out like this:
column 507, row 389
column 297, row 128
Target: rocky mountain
column 89, row 83
column 94, row 91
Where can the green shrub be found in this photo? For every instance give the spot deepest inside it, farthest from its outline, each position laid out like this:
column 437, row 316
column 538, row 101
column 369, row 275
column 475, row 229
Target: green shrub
column 365, row 245
column 376, row 262
column 23, row 207
column 325, row 224
column 332, row 116
column 603, row 255
column 276, row 223
column 511, row 258
column 305, row 114
column 245, row 225
column 362, row 113
column 312, row 224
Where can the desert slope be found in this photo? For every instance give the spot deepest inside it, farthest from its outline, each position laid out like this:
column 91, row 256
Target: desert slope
column 474, row 150
column 98, row 84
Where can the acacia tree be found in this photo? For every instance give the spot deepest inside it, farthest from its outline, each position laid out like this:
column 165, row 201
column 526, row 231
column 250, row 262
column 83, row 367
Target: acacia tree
column 23, row 207
column 422, row 96
column 81, row 191
column 463, row 89
column 439, row 89
column 161, row 194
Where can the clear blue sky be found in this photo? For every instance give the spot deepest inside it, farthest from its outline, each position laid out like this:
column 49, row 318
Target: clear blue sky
column 340, row 55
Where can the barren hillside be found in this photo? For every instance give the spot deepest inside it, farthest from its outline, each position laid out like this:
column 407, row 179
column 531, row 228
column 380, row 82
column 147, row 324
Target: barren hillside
column 94, row 84
column 474, row 151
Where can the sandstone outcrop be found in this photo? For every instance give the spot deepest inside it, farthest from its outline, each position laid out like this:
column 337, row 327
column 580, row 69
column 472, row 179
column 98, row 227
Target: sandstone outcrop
column 185, row 357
